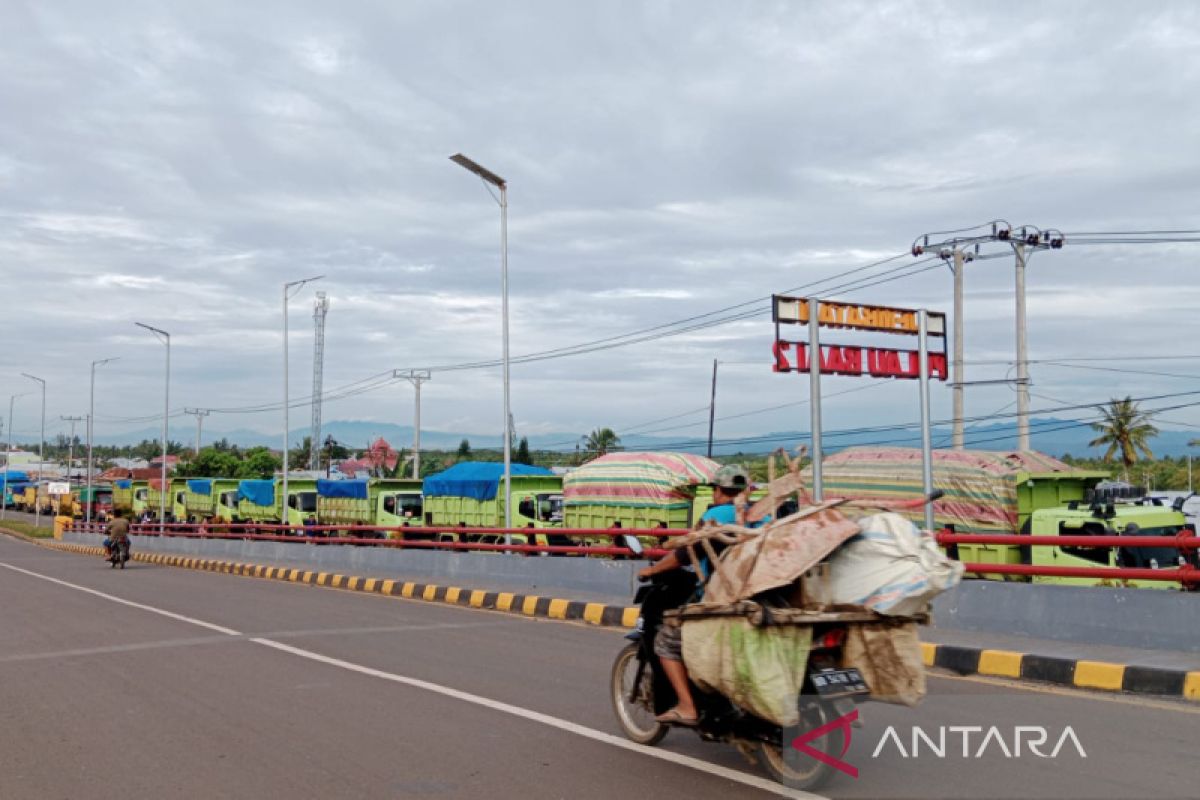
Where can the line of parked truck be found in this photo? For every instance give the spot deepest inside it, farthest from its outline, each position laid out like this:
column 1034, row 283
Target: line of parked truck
column 984, row 492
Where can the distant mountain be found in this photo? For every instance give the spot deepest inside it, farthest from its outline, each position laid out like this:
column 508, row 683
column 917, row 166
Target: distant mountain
column 1055, row 437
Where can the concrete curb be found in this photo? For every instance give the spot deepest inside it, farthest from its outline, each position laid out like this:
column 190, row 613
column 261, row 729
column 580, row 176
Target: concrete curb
column 527, row 605
column 1080, row 674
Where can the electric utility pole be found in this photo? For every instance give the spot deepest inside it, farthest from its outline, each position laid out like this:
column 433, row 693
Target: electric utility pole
column 712, row 408
column 416, row 377
column 200, row 414
column 71, row 443
column 1027, row 236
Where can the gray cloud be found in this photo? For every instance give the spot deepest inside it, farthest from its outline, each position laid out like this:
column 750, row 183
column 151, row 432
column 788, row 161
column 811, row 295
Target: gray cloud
column 175, row 165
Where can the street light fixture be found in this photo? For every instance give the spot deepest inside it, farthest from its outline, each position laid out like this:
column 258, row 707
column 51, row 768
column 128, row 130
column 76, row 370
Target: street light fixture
column 165, row 338
column 488, row 176
column 90, row 428
column 37, row 504
column 283, row 503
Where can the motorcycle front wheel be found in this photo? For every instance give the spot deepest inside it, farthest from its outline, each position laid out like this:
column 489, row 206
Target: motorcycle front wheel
column 635, row 718
column 802, row 771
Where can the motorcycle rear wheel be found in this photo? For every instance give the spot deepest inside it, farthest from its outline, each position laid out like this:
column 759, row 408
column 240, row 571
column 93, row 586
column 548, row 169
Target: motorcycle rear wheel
column 804, row 771
column 636, row 720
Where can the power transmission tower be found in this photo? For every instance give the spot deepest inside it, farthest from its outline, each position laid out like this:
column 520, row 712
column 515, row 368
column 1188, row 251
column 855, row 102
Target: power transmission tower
column 320, row 309
column 71, row 443
column 200, row 414
column 416, row 377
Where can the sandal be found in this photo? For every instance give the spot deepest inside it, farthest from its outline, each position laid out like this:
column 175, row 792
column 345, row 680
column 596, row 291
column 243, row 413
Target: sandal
column 673, row 717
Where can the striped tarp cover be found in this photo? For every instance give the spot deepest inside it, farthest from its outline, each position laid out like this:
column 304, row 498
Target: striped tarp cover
column 638, row 480
column 980, row 486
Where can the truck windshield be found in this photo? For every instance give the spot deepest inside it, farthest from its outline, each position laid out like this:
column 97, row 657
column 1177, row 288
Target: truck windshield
column 304, row 501
column 403, row 505
column 550, row 507
column 229, row 499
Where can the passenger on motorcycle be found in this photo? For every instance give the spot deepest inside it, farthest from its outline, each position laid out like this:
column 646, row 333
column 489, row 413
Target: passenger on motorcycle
column 730, row 492
column 117, row 532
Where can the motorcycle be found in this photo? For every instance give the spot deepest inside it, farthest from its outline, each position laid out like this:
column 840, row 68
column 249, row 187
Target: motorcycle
column 640, row 691
column 118, row 554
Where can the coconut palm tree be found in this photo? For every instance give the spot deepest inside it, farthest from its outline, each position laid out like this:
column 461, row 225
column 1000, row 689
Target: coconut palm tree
column 1124, row 428
column 602, row 440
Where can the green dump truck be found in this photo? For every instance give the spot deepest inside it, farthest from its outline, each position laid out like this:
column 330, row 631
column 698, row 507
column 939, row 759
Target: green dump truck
column 258, row 500
column 984, row 491
column 176, row 490
column 390, row 502
column 638, row 490
column 1108, row 519
column 468, row 495
column 202, row 498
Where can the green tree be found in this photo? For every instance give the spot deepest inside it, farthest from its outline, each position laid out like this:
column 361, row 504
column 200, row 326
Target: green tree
column 522, row 456
column 211, row 463
column 602, row 441
column 1125, row 428
column 259, row 463
column 464, row 449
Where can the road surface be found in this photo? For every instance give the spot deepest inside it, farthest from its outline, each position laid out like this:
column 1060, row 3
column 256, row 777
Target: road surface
column 157, row 682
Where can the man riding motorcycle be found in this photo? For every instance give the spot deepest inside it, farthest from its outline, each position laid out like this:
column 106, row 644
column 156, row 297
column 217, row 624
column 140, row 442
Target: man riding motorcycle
column 117, row 532
column 729, row 484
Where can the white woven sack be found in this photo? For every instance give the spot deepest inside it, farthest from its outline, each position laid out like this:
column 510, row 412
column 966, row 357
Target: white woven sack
column 892, row 567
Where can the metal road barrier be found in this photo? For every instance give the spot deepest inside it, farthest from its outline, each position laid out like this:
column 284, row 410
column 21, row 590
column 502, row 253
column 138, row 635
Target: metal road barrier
column 417, row 538
column 1186, row 573
column 467, row 539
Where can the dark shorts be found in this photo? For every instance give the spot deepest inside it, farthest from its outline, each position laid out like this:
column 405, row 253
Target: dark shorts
column 668, row 642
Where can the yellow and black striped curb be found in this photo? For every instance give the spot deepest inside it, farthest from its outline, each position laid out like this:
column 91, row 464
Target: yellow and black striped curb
column 1078, row 673
column 1094, row 675
column 524, row 604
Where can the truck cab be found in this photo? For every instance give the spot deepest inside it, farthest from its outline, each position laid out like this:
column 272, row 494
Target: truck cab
column 1100, row 519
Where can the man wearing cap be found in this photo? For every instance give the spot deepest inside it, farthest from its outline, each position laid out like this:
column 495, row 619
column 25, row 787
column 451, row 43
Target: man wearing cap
column 729, row 484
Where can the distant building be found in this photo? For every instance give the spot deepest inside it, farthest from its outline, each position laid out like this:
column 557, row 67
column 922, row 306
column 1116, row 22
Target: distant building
column 172, row 461
column 129, row 463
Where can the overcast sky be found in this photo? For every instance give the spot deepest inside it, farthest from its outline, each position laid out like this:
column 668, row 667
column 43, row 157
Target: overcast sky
column 176, row 163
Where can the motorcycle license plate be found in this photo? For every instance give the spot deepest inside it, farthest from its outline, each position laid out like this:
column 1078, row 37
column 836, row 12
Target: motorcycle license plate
column 839, row 682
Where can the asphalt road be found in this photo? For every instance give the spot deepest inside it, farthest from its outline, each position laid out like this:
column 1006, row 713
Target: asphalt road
column 159, row 682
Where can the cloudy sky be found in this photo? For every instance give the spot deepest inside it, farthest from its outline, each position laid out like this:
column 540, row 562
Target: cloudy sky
column 176, row 163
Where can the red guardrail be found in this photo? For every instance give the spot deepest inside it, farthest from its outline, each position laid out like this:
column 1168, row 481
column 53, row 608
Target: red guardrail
column 1185, row 574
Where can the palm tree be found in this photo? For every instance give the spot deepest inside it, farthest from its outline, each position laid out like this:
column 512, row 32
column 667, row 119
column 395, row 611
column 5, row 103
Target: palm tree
column 1125, row 428
column 602, row 440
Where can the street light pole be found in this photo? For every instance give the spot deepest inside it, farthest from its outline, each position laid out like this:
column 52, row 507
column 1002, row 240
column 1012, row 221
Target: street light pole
column 283, row 501
column 495, row 180
column 7, row 455
column 91, row 422
column 165, row 338
column 37, row 503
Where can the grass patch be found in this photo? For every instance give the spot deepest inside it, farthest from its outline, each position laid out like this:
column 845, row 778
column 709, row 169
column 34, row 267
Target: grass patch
column 28, row 529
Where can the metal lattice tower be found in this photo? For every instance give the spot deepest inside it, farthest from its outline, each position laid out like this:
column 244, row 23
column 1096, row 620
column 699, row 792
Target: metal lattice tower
column 320, row 309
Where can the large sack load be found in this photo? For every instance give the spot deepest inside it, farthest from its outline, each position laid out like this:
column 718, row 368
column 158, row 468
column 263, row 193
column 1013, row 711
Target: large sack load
column 777, row 554
column 891, row 567
column 888, row 656
column 760, row 669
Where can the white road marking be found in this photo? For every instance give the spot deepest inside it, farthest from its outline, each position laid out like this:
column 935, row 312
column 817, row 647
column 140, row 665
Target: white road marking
column 130, row 603
column 736, row 776
column 553, row 722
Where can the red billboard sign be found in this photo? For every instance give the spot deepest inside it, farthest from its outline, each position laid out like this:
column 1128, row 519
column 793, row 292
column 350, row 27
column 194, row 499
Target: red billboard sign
column 877, row 362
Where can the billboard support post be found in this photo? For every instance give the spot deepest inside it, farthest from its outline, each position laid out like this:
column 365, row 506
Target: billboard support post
column 814, row 394
column 926, row 436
